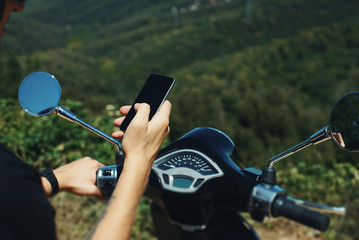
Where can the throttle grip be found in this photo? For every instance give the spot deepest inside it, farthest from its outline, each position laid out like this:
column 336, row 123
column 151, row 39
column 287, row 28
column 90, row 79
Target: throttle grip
column 285, row 207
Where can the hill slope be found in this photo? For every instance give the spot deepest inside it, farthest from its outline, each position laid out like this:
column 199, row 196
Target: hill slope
column 102, row 53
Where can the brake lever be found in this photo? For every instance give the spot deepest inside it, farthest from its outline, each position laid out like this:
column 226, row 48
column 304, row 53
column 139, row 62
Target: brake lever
column 319, row 207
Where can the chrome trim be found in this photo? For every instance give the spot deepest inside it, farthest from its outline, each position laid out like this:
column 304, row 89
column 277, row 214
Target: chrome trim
column 262, row 198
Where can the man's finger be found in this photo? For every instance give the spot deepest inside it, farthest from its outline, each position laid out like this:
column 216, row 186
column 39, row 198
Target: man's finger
column 166, row 108
column 118, row 134
column 161, row 118
column 125, row 109
column 142, row 114
column 118, row 121
column 165, row 111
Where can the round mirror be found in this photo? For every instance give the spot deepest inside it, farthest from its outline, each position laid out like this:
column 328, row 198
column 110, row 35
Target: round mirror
column 39, row 93
column 344, row 122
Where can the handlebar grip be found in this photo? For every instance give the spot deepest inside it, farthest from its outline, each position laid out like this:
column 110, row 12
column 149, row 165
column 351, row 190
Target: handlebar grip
column 282, row 206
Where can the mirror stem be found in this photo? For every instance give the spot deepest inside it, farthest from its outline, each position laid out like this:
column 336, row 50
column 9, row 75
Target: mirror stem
column 320, row 136
column 70, row 116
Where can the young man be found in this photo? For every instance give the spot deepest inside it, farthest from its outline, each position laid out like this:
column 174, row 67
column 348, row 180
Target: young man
column 25, row 211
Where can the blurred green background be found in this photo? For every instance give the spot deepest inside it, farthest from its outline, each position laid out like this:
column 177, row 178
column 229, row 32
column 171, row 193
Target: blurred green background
column 264, row 72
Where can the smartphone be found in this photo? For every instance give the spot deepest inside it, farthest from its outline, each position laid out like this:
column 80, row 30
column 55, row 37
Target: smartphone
column 154, row 92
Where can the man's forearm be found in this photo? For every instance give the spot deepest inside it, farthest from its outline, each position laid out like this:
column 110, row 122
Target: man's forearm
column 117, row 219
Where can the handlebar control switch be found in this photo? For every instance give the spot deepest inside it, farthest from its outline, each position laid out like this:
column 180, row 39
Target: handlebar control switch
column 106, row 179
column 261, row 200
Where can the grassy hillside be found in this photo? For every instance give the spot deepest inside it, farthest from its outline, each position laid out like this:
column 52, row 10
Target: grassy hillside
column 126, row 41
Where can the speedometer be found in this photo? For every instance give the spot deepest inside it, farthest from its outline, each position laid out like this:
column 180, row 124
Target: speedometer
column 189, row 160
column 185, row 170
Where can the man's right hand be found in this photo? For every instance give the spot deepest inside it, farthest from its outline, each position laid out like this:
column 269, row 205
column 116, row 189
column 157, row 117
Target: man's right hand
column 143, row 138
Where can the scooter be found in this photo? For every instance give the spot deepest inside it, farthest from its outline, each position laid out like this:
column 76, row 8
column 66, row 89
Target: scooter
column 196, row 187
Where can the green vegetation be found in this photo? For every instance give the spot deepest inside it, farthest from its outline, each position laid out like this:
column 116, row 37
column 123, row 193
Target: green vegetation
column 268, row 82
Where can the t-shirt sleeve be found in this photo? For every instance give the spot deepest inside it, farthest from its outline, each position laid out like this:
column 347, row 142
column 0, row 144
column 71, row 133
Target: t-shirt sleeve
column 25, row 210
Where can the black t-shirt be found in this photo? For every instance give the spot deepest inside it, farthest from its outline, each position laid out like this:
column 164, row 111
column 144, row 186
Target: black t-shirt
column 25, row 212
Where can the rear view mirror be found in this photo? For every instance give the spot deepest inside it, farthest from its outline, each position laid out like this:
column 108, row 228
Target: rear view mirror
column 39, row 94
column 344, row 122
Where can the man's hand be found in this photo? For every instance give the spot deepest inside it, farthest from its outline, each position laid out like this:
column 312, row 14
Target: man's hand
column 77, row 177
column 143, row 138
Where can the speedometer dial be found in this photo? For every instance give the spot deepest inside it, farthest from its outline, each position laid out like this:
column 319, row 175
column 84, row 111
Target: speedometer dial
column 185, row 170
column 189, row 160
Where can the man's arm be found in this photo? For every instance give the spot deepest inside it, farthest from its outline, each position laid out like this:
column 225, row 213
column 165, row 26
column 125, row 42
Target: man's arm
column 140, row 145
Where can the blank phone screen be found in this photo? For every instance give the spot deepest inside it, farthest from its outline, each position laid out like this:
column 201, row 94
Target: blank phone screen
column 153, row 92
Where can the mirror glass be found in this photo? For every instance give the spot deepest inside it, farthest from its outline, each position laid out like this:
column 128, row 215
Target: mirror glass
column 39, row 93
column 344, row 122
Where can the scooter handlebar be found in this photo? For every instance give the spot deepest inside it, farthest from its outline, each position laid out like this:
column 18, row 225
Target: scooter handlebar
column 282, row 206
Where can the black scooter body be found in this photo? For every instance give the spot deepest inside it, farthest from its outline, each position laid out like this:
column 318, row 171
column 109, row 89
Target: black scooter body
column 211, row 212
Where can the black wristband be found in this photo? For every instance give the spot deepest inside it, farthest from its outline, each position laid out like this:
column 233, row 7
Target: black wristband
column 50, row 176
